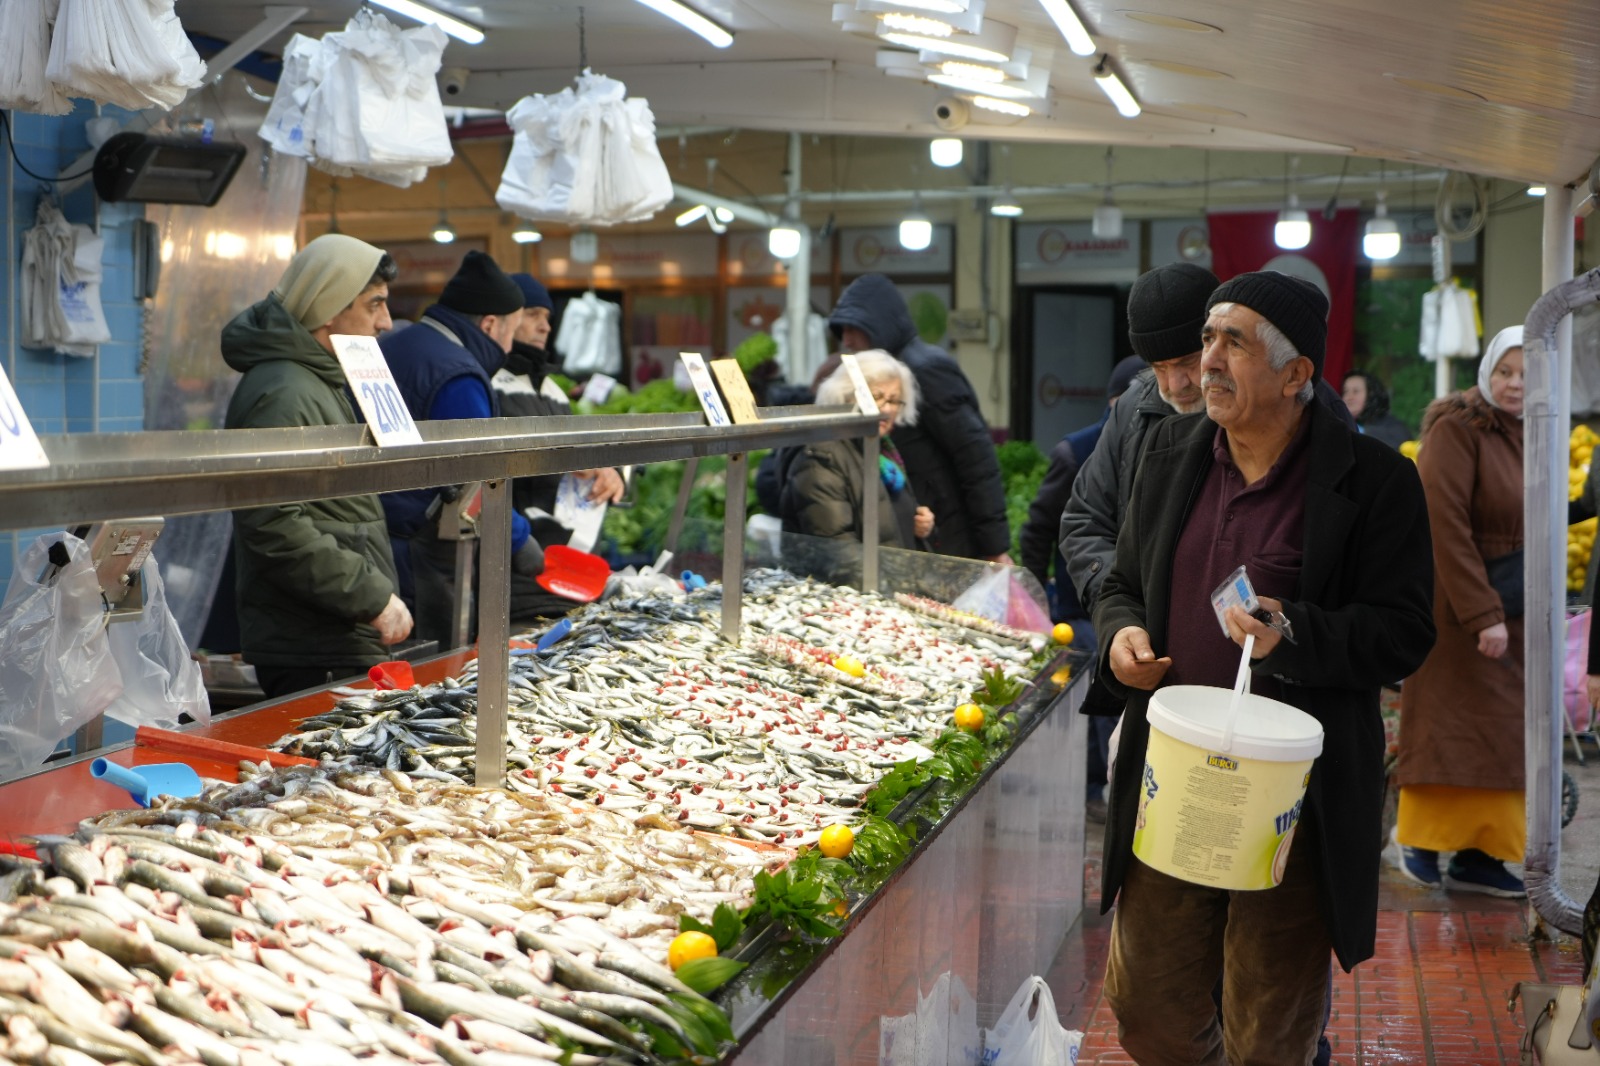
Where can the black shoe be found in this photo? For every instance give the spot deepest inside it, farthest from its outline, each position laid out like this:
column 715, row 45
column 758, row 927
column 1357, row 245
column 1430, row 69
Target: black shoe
column 1473, row 871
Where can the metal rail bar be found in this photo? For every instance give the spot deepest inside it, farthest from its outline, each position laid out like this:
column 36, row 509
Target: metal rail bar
column 494, row 626
column 733, row 545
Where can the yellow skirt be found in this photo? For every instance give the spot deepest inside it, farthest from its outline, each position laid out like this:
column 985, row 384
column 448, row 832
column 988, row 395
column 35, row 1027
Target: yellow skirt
column 1451, row 818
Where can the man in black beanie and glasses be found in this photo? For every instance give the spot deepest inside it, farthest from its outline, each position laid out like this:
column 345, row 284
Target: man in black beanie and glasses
column 1332, row 529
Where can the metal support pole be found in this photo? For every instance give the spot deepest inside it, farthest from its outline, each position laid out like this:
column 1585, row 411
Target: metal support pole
column 691, row 467
column 797, row 303
column 461, row 607
column 733, row 546
column 869, row 512
column 494, row 625
column 1547, row 353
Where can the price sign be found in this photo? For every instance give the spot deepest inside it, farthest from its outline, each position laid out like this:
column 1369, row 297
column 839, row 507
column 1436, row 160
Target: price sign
column 375, row 390
column 736, row 390
column 598, row 390
column 704, row 389
column 19, row 445
column 864, row 399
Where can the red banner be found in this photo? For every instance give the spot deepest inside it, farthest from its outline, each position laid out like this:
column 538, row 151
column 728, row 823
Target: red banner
column 1242, row 242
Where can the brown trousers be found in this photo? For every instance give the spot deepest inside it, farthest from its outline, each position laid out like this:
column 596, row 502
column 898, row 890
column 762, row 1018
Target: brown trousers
column 1171, row 939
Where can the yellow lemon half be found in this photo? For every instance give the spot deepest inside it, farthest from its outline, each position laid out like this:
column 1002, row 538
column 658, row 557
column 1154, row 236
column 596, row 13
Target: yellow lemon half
column 969, row 716
column 686, row 947
column 1061, row 676
column 836, row 841
column 1062, row 633
column 850, row 665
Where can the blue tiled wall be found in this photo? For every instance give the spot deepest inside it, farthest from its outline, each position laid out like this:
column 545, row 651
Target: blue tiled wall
column 65, row 394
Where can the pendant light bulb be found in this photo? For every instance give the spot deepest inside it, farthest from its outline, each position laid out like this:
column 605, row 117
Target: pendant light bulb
column 1382, row 239
column 945, row 151
column 783, row 241
column 916, row 231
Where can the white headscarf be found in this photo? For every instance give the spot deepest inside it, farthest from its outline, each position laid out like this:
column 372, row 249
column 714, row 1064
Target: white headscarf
column 1503, row 342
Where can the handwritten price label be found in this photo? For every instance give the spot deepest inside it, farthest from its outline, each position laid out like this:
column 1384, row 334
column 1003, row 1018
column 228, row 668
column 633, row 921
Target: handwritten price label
column 858, row 381
column 369, row 377
column 705, row 389
column 19, row 445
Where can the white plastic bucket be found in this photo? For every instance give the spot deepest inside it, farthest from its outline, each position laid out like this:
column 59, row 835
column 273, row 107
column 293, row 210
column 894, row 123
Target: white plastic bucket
column 1222, row 818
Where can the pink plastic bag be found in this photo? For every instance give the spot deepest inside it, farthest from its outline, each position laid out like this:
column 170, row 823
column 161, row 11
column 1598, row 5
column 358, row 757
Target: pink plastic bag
column 1575, row 670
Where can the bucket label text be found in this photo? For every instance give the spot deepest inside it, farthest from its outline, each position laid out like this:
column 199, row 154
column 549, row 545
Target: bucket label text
column 1222, row 762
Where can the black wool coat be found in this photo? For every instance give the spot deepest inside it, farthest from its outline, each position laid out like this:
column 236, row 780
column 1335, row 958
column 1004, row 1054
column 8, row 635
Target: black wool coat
column 1362, row 615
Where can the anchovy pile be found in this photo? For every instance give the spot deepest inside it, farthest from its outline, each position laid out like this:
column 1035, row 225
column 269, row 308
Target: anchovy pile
column 337, row 917
column 644, row 710
column 946, row 613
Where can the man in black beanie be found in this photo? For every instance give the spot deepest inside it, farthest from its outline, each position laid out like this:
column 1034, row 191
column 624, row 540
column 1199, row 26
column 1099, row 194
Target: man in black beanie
column 444, row 365
column 1332, row 530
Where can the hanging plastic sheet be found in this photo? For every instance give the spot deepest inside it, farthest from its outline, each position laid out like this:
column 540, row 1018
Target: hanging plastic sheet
column 584, row 156
column 215, row 262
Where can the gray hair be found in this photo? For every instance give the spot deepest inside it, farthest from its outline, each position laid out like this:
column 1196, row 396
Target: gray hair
column 1280, row 350
column 877, row 366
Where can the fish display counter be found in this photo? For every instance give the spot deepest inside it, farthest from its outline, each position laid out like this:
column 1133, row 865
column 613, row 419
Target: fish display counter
column 783, row 850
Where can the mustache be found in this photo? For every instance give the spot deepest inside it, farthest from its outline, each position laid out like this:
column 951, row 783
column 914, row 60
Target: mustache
column 1217, row 378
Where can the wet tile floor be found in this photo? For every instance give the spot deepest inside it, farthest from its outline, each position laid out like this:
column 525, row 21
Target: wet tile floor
column 1435, row 994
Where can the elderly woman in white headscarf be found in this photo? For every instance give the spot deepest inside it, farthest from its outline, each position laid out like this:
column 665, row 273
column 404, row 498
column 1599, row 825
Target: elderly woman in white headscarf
column 1461, row 726
column 822, row 482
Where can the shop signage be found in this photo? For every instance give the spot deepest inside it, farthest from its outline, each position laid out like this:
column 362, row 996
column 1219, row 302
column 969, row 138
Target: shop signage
column 864, row 401
column 19, row 445
column 877, row 251
column 1180, row 240
column 369, row 377
column 736, row 390
column 1069, row 251
column 704, row 389
column 652, row 256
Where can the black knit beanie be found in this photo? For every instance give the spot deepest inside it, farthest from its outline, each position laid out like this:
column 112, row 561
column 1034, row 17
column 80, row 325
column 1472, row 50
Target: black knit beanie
column 1167, row 309
column 480, row 287
column 1296, row 306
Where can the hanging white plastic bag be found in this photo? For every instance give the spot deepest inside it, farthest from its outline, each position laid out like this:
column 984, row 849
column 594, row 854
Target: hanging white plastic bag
column 397, row 116
column 124, row 52
column 285, row 125
column 56, row 670
column 943, row 1031
column 160, row 680
column 82, row 318
column 988, row 597
column 24, row 48
column 1029, row 1033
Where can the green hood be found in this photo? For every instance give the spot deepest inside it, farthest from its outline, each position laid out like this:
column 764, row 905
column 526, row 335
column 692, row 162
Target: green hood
column 266, row 331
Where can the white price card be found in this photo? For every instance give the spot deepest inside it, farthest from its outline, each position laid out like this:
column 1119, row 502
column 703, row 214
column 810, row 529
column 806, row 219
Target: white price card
column 598, row 389
column 705, row 390
column 369, row 377
column 19, row 445
column 864, row 399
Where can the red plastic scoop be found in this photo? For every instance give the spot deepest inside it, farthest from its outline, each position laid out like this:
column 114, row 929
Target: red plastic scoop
column 396, row 674
column 573, row 574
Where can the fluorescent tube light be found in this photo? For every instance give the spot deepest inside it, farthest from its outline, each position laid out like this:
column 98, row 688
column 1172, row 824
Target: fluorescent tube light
column 691, row 20
column 526, row 234
column 1070, row 25
column 691, row 216
column 918, row 24
column 1117, row 92
column 1536, row 190
column 1004, row 107
column 461, row 31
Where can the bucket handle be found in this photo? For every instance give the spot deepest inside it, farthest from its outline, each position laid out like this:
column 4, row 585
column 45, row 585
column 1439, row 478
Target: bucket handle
column 1240, row 683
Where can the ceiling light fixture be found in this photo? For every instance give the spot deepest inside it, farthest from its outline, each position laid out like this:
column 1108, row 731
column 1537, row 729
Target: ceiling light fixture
column 1004, row 90
column 784, row 241
column 942, row 7
column 921, row 25
column 1293, row 230
column 1003, row 107
column 971, row 72
column 1382, row 239
column 461, row 31
column 691, row 20
column 691, row 216
column 1070, row 25
column 995, row 42
column 1115, row 90
column 724, row 215
column 1536, row 190
column 1005, row 205
column 526, row 234
column 443, row 232
column 584, row 246
column 1107, row 224
column 916, row 231
column 945, row 151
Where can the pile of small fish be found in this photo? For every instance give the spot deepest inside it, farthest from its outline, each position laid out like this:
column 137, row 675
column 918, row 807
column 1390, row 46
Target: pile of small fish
column 946, row 613
column 333, row 917
column 644, row 710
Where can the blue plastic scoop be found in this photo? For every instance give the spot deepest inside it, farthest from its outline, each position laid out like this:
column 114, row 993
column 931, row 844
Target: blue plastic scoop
column 144, row 782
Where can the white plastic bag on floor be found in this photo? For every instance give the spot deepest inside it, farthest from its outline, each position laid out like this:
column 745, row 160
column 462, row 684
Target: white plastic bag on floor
column 24, row 49
column 160, row 680
column 132, row 53
column 56, row 669
column 943, row 1031
column 1029, row 1033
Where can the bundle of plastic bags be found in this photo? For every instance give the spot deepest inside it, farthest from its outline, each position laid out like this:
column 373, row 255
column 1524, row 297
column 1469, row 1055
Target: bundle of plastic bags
column 132, row 54
column 588, row 338
column 61, row 272
column 363, row 101
column 24, row 48
column 586, row 157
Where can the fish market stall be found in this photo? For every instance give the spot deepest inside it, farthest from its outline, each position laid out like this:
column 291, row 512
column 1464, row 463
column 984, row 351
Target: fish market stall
column 651, row 781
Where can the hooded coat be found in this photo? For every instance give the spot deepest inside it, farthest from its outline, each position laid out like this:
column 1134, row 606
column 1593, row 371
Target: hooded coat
column 821, row 497
column 1461, row 715
column 311, row 575
column 1361, row 617
column 950, row 457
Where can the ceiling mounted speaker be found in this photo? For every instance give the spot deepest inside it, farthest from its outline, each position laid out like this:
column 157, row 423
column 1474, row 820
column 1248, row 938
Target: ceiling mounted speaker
column 164, row 170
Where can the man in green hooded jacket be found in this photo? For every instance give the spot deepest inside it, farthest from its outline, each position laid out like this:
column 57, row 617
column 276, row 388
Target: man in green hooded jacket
column 316, row 580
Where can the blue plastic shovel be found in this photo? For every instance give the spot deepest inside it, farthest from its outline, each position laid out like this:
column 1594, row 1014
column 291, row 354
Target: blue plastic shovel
column 145, row 782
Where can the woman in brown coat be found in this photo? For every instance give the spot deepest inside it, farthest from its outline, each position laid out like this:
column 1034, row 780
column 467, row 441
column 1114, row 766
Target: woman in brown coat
column 1461, row 724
